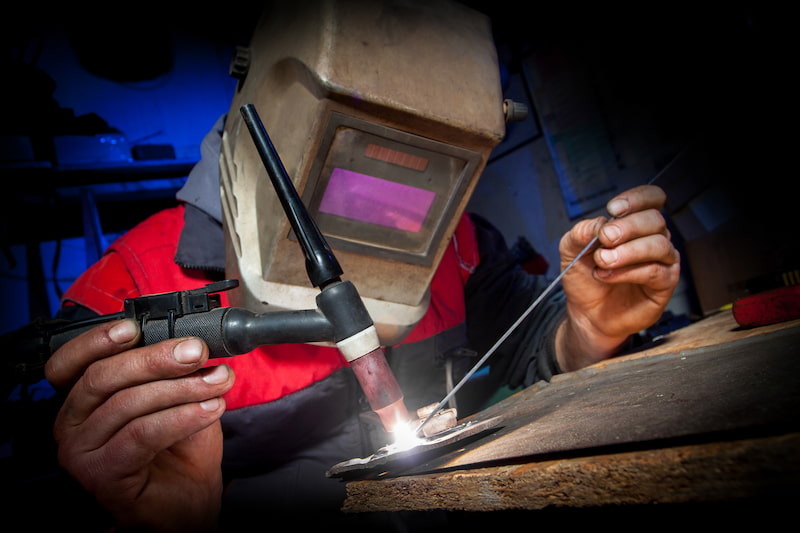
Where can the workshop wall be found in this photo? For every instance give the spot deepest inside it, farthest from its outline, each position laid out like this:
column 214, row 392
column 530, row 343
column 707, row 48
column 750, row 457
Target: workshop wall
column 605, row 116
column 694, row 96
column 132, row 96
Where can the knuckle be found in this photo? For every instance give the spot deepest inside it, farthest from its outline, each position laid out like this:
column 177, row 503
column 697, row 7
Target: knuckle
column 147, row 363
column 671, row 253
column 658, row 218
column 81, row 465
column 654, row 274
column 137, row 432
column 54, row 371
column 124, row 401
column 95, row 381
column 152, row 361
column 662, row 247
column 66, row 459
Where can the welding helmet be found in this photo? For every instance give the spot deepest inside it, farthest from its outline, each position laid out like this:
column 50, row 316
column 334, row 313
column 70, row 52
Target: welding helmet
column 384, row 113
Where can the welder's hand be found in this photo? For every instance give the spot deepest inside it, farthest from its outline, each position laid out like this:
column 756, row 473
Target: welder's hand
column 623, row 284
column 139, row 428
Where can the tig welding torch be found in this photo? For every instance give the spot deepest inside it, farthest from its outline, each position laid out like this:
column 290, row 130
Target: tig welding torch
column 340, row 316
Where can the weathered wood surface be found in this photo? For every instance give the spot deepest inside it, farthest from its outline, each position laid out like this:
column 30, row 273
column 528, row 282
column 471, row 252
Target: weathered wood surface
column 707, row 393
column 762, row 468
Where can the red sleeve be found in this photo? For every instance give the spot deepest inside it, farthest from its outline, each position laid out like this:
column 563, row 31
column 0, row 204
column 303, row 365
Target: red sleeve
column 104, row 287
column 447, row 307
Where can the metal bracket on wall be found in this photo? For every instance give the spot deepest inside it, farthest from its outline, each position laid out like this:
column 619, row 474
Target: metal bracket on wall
column 92, row 230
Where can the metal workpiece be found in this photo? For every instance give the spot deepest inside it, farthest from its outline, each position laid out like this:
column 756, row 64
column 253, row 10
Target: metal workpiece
column 440, row 421
column 415, row 452
column 442, row 431
column 706, row 414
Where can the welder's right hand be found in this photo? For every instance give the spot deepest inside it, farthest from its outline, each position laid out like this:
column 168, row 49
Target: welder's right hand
column 139, row 428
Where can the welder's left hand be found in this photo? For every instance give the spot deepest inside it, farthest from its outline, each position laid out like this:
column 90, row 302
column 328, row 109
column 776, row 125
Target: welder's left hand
column 139, row 427
column 623, row 284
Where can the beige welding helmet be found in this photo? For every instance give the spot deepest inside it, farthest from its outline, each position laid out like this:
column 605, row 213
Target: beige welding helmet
column 383, row 113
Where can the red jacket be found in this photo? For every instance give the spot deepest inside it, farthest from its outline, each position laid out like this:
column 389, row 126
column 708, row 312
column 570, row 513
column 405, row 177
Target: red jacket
column 141, row 262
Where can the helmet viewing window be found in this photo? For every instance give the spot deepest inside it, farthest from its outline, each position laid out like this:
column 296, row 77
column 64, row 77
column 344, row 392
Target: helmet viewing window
column 382, row 192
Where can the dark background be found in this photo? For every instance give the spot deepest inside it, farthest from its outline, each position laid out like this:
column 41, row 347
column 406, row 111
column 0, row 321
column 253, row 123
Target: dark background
column 663, row 76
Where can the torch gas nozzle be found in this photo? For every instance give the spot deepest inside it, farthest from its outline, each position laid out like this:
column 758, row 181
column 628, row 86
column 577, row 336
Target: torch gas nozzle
column 381, row 389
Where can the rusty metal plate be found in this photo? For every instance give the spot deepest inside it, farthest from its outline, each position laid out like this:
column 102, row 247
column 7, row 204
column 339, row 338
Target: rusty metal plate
column 749, row 386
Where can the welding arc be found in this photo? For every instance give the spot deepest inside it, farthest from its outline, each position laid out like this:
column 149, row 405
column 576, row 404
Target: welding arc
column 530, row 308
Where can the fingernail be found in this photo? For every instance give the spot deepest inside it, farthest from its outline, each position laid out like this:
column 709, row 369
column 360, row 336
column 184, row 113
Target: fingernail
column 618, row 207
column 609, row 257
column 612, row 233
column 123, row 332
column 217, row 376
column 602, row 273
column 188, row 351
column 210, row 405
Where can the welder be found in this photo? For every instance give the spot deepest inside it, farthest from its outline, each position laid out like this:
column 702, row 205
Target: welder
column 384, row 114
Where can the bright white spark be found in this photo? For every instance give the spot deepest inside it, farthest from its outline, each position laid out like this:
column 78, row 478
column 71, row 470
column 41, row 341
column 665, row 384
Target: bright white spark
column 405, row 436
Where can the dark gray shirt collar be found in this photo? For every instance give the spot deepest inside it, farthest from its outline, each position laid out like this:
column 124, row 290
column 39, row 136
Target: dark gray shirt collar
column 202, row 244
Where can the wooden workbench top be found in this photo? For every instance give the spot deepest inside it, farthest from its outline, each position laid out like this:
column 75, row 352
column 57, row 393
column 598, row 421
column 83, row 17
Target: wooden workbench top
column 646, row 427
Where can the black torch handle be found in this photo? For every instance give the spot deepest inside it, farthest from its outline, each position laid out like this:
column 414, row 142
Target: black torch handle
column 321, row 265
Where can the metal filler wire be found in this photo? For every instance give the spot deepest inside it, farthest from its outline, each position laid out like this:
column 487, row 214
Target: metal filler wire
column 528, row 311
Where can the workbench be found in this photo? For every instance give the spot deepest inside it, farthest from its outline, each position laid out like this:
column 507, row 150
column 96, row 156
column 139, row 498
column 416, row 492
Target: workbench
column 706, row 415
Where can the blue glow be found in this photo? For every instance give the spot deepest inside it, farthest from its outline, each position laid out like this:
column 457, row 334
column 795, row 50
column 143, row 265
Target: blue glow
column 176, row 109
